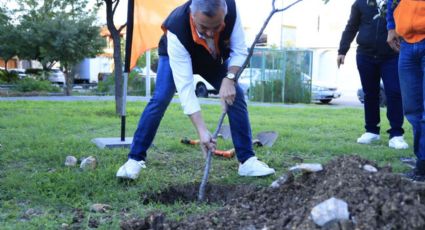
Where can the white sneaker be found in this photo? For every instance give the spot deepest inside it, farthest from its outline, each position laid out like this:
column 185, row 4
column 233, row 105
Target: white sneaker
column 131, row 169
column 254, row 167
column 398, row 142
column 368, row 138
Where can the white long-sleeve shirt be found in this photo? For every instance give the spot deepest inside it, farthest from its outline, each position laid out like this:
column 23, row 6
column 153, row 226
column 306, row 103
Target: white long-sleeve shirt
column 181, row 64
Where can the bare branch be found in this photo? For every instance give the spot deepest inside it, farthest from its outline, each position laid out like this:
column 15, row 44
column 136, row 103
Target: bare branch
column 117, row 2
column 201, row 194
column 122, row 27
column 289, row 6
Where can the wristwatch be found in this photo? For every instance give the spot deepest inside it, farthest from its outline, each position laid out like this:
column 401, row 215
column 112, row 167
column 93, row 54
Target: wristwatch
column 231, row 76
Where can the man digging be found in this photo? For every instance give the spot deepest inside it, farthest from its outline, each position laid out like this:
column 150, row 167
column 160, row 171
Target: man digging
column 202, row 37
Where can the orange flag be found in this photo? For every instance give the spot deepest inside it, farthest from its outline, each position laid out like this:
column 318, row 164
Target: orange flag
column 148, row 16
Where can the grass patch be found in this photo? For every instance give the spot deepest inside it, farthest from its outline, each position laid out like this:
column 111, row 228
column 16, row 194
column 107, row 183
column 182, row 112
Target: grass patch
column 39, row 192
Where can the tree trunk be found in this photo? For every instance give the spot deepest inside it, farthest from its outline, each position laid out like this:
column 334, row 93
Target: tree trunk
column 117, row 54
column 68, row 80
column 118, row 72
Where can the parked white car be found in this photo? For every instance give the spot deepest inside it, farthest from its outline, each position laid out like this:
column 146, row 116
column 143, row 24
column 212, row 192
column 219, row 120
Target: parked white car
column 248, row 75
column 56, row 76
column 202, row 87
column 324, row 92
column 20, row 72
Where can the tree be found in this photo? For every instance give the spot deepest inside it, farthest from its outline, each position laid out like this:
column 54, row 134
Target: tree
column 71, row 41
column 111, row 6
column 59, row 31
column 9, row 38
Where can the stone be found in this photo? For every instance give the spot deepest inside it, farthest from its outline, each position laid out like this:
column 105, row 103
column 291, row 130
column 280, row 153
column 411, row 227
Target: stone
column 88, row 163
column 339, row 225
column 70, row 161
column 306, row 167
column 330, row 210
column 100, row 208
column 280, row 181
column 370, row 168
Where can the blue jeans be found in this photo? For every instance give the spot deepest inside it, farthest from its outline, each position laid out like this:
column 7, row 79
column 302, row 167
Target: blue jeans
column 412, row 68
column 371, row 71
column 164, row 91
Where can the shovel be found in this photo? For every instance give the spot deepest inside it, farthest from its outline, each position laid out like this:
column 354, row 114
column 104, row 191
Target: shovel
column 225, row 132
column 267, row 138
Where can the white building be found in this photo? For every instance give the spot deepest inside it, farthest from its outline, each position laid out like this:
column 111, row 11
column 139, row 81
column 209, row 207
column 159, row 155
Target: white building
column 310, row 24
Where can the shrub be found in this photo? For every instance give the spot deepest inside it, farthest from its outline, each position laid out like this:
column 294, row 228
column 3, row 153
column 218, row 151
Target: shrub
column 297, row 88
column 8, row 77
column 106, row 85
column 136, row 85
column 284, row 76
column 296, row 91
column 31, row 85
column 267, row 91
column 38, row 74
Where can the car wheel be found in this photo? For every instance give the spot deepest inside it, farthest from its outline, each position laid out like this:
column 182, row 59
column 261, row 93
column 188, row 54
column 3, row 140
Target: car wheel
column 326, row 101
column 201, row 90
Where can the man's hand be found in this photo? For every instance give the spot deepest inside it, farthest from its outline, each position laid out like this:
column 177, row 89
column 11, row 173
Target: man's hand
column 205, row 137
column 340, row 60
column 393, row 40
column 227, row 93
column 207, row 142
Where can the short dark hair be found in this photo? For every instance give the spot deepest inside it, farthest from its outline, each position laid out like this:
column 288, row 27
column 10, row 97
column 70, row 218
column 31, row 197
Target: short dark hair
column 208, row 7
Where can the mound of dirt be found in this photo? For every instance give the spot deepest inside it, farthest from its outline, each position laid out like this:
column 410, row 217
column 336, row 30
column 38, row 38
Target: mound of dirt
column 381, row 200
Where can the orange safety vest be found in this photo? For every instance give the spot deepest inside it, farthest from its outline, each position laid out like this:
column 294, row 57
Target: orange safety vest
column 409, row 17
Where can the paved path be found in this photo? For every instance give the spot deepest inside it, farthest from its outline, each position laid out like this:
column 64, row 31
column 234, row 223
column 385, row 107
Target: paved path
column 338, row 103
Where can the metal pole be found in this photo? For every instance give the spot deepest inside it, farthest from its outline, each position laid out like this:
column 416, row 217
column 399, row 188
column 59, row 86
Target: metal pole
column 129, row 40
column 123, row 107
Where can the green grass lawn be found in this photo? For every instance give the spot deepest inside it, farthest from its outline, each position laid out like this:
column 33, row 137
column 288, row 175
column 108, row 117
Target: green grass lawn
column 38, row 192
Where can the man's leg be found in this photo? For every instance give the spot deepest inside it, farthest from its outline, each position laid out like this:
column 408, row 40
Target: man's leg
column 389, row 70
column 370, row 79
column 240, row 127
column 238, row 119
column 241, row 132
column 149, row 121
column 389, row 73
column 411, row 70
column 154, row 111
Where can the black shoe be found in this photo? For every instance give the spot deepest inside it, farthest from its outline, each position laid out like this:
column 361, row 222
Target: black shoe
column 414, row 176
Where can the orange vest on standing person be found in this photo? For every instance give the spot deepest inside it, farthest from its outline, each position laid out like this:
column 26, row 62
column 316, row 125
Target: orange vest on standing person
column 409, row 17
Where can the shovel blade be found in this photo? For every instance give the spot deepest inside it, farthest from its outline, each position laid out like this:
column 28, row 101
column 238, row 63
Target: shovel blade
column 267, row 138
column 225, row 132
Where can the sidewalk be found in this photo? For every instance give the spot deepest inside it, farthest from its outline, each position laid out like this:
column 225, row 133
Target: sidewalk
column 342, row 102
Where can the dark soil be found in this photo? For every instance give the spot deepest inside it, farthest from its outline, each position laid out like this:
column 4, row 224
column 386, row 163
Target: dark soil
column 382, row 200
column 189, row 193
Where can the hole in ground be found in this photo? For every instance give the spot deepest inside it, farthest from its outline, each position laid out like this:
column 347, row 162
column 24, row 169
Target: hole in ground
column 189, row 193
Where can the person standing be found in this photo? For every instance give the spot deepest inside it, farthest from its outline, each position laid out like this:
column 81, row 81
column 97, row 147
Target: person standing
column 406, row 33
column 200, row 37
column 376, row 61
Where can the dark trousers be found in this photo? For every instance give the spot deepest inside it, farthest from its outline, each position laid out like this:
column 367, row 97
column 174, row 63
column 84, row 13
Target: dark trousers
column 371, row 71
column 164, row 92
